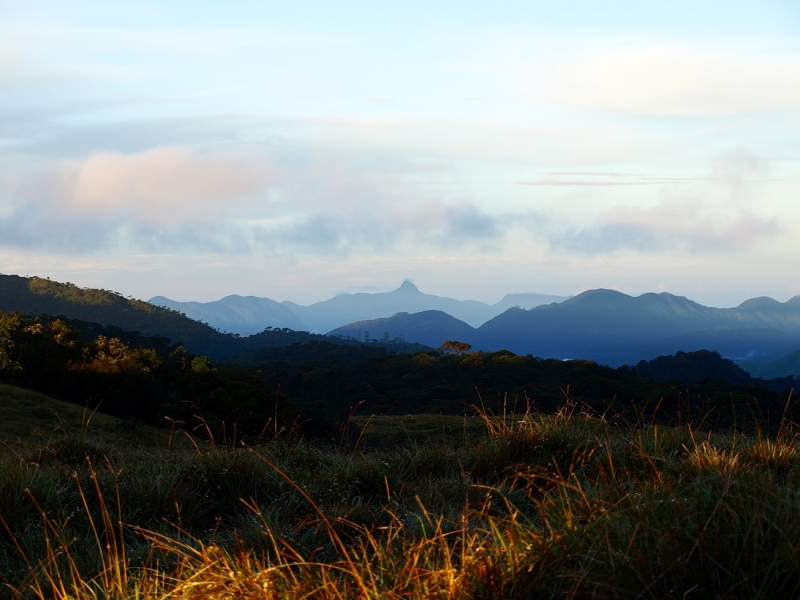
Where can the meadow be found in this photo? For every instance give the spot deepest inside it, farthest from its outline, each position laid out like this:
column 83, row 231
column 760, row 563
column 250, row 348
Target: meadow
column 561, row 505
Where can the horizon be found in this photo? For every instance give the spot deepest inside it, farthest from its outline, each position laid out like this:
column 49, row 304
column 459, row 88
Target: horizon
column 195, row 151
column 463, row 299
column 416, row 288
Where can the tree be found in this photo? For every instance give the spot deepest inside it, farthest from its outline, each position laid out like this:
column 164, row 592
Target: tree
column 455, row 348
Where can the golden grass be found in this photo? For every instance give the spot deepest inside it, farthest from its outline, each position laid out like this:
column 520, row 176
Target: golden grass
column 552, row 506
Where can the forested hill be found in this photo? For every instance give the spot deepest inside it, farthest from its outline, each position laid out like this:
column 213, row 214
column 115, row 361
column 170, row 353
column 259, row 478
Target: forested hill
column 36, row 296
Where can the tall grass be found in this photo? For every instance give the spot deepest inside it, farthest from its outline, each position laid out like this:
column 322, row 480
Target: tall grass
column 541, row 506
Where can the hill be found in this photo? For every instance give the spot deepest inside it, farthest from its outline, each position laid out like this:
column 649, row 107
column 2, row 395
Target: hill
column 613, row 328
column 430, row 327
column 109, row 313
column 344, row 309
column 788, row 365
column 35, row 296
column 324, row 380
column 245, row 315
column 32, row 420
column 687, row 368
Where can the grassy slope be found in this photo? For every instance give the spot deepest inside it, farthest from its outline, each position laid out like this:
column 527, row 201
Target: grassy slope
column 551, row 506
column 32, row 420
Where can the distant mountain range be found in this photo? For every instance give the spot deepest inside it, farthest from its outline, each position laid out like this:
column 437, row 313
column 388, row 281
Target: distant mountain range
column 36, row 296
column 247, row 315
column 601, row 325
column 612, row 328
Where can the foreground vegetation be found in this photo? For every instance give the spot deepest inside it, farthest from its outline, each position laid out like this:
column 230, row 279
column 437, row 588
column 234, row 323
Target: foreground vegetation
column 533, row 505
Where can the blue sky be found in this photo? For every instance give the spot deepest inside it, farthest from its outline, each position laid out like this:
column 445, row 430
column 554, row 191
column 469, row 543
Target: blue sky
column 295, row 150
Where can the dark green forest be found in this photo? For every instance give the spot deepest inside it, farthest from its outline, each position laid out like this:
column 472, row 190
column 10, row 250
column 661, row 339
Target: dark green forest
column 699, row 387
column 317, row 385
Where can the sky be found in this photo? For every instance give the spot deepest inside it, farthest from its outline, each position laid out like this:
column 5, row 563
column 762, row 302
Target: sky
column 295, row 150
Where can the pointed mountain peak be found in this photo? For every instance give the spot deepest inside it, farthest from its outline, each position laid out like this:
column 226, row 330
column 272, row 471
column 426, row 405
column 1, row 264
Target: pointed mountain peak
column 407, row 286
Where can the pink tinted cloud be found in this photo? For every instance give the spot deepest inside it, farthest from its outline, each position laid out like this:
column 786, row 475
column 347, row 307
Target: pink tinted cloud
column 165, row 184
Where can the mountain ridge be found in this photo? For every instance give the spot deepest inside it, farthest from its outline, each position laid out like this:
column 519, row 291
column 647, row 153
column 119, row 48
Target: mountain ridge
column 37, row 296
column 245, row 315
column 344, row 309
column 614, row 328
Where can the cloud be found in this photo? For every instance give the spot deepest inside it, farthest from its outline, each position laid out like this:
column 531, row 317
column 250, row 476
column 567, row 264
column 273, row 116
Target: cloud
column 465, row 221
column 167, row 184
column 671, row 80
column 280, row 202
column 688, row 226
column 287, row 200
column 706, row 213
column 387, row 227
column 15, row 72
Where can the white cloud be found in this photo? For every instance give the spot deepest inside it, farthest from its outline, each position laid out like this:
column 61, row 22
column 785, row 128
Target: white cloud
column 671, row 80
column 174, row 198
column 690, row 225
column 718, row 212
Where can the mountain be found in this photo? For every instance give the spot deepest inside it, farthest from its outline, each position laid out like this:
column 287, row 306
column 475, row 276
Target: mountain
column 430, row 327
column 613, row 328
column 785, row 366
column 766, row 312
column 36, row 296
column 526, row 301
column 601, row 325
column 344, row 309
column 244, row 315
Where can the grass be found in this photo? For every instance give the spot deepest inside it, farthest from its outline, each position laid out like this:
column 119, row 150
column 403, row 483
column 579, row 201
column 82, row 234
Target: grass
column 32, row 421
column 537, row 506
column 387, row 430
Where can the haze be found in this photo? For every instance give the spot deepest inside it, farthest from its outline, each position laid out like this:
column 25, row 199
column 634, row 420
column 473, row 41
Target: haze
column 296, row 150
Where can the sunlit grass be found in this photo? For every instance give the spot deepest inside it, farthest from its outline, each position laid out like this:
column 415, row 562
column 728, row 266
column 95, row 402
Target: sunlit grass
column 538, row 506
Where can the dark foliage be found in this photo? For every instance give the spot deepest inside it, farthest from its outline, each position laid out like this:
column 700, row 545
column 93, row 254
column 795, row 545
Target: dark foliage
column 319, row 383
column 691, row 367
column 704, row 388
column 50, row 355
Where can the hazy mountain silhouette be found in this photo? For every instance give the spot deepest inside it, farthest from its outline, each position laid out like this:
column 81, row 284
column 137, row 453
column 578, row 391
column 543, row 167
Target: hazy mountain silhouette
column 344, row 309
column 430, row 327
column 602, row 325
column 614, row 328
column 245, row 315
column 526, row 301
